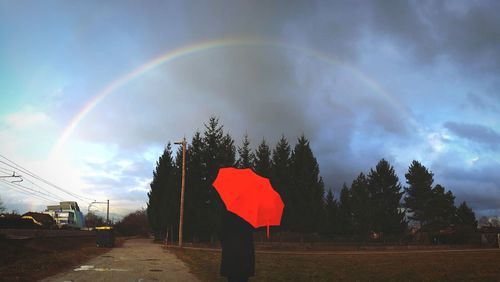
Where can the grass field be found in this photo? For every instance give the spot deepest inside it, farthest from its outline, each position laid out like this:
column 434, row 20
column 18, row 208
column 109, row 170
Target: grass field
column 477, row 265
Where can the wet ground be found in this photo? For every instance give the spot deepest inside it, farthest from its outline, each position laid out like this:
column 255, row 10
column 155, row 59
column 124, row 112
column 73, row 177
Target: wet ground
column 136, row 260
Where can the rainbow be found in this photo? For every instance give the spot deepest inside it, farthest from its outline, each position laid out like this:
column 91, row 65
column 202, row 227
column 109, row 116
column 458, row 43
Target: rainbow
column 200, row 47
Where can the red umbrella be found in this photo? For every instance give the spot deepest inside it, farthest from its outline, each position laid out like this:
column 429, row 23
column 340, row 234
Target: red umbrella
column 250, row 196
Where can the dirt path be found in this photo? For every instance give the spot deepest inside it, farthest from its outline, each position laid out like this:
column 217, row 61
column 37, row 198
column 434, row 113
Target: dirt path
column 137, row 260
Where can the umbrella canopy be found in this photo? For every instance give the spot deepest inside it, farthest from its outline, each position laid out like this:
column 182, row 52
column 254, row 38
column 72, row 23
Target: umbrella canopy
column 250, row 196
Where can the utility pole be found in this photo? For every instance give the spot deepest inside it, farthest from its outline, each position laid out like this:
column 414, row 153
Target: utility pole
column 107, row 210
column 181, row 218
column 107, row 214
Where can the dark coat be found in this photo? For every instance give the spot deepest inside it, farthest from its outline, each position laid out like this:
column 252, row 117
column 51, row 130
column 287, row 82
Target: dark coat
column 238, row 255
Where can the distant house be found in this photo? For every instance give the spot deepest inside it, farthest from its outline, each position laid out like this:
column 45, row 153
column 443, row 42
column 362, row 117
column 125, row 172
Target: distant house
column 490, row 236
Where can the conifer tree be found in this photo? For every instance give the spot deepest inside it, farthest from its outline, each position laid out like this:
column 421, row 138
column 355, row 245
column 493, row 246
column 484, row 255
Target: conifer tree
column 262, row 163
column 360, row 205
column 465, row 224
column 195, row 194
column 163, row 203
column 331, row 214
column 2, row 207
column 385, row 199
column 465, row 216
column 228, row 152
column 280, row 178
column 218, row 151
column 246, row 157
column 441, row 209
column 345, row 211
column 418, row 193
column 307, row 188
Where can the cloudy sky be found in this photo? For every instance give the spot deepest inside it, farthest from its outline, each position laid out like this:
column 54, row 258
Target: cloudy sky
column 91, row 91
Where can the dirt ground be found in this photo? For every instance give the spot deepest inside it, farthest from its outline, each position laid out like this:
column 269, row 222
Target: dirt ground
column 35, row 258
column 136, row 260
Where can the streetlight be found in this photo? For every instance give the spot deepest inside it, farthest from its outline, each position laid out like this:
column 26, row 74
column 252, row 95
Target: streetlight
column 107, row 209
column 181, row 217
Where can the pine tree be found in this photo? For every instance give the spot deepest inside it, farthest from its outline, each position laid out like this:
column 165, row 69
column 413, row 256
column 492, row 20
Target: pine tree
column 307, row 188
column 163, row 203
column 195, row 194
column 360, row 205
column 418, row 193
column 246, row 157
column 465, row 216
column 262, row 163
column 228, row 152
column 2, row 207
column 345, row 211
column 385, row 197
column 213, row 137
column 331, row 214
column 441, row 209
column 466, row 224
column 218, row 151
column 280, row 178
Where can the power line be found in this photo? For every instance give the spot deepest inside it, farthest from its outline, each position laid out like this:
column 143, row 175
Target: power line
column 8, row 171
column 24, row 170
column 44, row 189
column 29, row 190
column 21, row 178
column 26, row 191
column 25, row 178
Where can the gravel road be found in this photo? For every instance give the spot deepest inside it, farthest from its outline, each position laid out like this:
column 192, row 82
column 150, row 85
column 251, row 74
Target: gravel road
column 137, row 260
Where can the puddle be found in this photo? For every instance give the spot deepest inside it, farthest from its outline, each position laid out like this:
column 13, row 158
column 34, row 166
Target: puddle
column 156, row 270
column 152, row 259
column 84, row 268
column 92, row 268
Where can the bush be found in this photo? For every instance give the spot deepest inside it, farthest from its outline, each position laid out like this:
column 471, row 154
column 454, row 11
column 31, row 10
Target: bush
column 134, row 224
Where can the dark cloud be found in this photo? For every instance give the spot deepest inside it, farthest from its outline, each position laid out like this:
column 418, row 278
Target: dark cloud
column 462, row 31
column 475, row 132
column 478, row 102
column 477, row 185
column 208, row 20
column 400, row 21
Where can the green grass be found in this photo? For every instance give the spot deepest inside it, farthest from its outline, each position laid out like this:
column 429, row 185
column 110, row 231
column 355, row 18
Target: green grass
column 412, row 266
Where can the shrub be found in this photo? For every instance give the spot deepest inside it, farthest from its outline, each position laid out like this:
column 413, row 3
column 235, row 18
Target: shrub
column 134, row 224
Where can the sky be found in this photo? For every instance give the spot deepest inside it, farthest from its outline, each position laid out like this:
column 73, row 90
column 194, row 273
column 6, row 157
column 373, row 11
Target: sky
column 91, row 91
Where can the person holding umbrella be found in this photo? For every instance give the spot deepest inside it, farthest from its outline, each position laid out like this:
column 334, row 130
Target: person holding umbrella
column 251, row 202
column 238, row 255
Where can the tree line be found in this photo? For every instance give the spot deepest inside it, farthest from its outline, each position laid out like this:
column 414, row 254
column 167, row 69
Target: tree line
column 375, row 202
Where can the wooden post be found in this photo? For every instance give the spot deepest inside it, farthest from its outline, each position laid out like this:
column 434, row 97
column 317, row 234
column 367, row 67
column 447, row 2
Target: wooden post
column 107, row 214
column 181, row 217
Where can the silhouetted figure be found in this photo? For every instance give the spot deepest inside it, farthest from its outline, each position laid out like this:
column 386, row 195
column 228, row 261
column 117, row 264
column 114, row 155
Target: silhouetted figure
column 238, row 255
